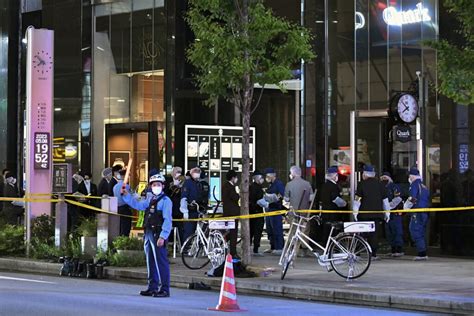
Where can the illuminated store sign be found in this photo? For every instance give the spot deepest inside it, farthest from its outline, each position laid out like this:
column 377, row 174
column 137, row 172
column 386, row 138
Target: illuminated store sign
column 392, row 16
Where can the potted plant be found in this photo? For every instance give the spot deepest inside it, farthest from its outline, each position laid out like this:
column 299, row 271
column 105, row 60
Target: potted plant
column 128, row 246
column 88, row 232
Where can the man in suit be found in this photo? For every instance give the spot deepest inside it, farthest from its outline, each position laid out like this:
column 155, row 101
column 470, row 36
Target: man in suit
column 104, row 184
column 371, row 195
column 230, row 203
column 88, row 188
column 329, row 198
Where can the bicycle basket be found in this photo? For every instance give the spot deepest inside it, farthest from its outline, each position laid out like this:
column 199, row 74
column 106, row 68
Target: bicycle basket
column 359, row 227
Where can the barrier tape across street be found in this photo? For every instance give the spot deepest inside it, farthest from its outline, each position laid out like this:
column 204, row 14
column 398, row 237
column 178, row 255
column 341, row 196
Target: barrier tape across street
column 250, row 216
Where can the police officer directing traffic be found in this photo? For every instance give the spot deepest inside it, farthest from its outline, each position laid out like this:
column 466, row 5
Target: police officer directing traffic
column 419, row 198
column 158, row 224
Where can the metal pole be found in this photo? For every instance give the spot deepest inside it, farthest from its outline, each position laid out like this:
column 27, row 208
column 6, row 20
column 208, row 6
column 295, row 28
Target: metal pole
column 353, row 152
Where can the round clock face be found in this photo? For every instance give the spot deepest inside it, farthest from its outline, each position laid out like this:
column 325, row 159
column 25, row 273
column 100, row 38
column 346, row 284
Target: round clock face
column 42, row 63
column 407, row 108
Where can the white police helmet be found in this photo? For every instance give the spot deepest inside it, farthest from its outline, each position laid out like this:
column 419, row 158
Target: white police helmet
column 157, row 178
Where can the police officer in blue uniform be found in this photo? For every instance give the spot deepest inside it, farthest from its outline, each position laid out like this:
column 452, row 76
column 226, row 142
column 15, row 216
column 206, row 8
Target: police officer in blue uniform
column 158, row 224
column 274, row 196
column 419, row 198
column 394, row 226
column 191, row 195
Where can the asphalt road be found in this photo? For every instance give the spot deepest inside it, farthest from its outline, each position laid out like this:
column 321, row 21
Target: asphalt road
column 27, row 294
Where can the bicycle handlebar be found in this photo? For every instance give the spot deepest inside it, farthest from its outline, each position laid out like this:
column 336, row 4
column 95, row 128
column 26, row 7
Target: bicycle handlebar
column 295, row 214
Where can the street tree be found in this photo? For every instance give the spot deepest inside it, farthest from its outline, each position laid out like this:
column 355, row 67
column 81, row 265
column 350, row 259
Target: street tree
column 238, row 44
column 456, row 54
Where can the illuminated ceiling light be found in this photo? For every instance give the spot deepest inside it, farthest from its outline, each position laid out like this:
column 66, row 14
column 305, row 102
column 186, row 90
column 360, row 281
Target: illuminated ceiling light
column 121, row 100
column 57, row 109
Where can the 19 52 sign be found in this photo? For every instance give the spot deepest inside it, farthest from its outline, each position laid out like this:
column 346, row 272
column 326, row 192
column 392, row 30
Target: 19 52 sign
column 42, row 151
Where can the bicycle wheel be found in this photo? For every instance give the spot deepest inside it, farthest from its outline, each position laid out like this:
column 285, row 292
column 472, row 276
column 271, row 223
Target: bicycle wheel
column 350, row 256
column 193, row 253
column 217, row 248
column 288, row 257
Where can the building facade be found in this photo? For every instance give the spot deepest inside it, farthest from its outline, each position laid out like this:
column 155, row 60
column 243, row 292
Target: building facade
column 123, row 89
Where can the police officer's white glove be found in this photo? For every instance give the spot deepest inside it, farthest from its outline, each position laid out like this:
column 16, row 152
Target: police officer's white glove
column 407, row 205
column 286, row 204
column 356, row 206
column 271, row 197
column 183, row 206
column 262, row 203
column 355, row 215
column 186, row 215
column 394, row 203
column 387, row 217
column 339, row 202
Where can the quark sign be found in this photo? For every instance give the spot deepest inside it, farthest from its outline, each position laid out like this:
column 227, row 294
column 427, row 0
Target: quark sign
column 392, row 16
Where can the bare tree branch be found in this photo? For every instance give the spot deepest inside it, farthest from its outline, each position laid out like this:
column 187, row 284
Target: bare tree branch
column 258, row 101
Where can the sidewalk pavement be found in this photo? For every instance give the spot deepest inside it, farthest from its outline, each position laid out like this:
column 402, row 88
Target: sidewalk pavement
column 441, row 285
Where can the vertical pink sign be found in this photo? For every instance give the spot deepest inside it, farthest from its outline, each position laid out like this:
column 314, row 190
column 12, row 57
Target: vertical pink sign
column 39, row 120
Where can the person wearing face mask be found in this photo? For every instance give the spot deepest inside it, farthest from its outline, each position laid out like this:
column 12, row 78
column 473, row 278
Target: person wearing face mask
column 87, row 188
column 329, row 198
column 115, row 178
column 274, row 196
column 230, row 207
column 123, row 208
column 103, row 187
column 73, row 210
column 256, row 224
column 371, row 195
column 419, row 197
column 12, row 212
column 190, row 195
column 394, row 225
column 173, row 191
column 157, row 224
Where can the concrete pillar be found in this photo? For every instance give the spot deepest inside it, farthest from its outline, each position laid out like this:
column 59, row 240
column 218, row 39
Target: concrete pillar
column 108, row 226
column 60, row 227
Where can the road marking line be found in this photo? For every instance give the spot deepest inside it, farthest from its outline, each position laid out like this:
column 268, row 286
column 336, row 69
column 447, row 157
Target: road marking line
column 24, row 280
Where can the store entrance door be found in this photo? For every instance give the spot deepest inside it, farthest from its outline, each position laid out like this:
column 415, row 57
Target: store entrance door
column 369, row 133
column 373, row 142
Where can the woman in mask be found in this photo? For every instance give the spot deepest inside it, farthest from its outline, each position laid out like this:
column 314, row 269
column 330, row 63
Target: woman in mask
column 230, row 203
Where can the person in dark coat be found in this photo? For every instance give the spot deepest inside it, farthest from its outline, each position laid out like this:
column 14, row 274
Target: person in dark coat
column 230, row 203
column 88, row 188
column 12, row 212
column 329, row 198
column 190, row 196
column 274, row 196
column 371, row 195
column 104, row 184
column 116, row 177
column 173, row 191
column 394, row 226
column 256, row 224
column 2, row 184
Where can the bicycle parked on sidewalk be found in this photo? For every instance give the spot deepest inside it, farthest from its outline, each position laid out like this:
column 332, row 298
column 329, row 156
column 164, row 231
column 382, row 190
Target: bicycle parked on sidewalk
column 348, row 254
column 205, row 245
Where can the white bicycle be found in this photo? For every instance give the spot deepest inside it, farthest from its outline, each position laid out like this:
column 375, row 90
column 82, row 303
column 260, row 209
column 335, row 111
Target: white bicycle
column 204, row 246
column 347, row 253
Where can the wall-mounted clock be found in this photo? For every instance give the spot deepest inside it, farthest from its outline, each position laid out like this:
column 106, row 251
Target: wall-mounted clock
column 42, row 63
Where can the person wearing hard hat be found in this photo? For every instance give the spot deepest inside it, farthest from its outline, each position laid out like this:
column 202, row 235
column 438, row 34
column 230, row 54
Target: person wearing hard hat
column 158, row 224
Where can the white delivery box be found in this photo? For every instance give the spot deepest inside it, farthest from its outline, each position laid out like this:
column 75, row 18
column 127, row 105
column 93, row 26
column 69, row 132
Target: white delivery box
column 359, row 227
column 222, row 224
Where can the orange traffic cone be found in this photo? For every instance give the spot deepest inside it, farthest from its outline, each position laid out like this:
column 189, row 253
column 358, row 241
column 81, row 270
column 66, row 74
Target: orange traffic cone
column 228, row 296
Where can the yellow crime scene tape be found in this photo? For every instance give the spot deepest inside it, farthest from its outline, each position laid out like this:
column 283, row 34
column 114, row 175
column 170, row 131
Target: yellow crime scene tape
column 220, row 217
